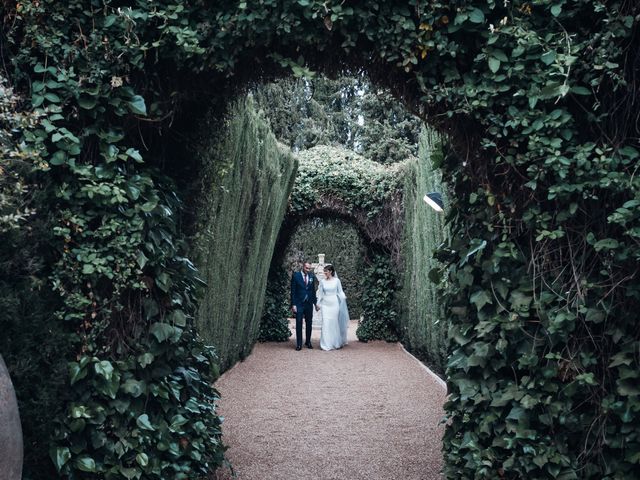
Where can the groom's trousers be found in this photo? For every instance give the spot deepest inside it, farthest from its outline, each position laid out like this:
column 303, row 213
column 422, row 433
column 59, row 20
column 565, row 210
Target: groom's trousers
column 307, row 312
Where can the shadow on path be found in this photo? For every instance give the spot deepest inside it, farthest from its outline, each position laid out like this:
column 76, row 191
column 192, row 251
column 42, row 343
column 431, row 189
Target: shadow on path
column 367, row 411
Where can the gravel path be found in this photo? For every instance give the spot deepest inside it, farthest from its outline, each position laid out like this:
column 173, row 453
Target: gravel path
column 367, row 411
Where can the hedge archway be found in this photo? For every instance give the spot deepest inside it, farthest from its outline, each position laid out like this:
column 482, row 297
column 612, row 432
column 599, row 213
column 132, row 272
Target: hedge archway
column 540, row 100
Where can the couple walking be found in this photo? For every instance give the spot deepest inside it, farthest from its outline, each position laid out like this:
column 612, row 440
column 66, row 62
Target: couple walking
column 330, row 300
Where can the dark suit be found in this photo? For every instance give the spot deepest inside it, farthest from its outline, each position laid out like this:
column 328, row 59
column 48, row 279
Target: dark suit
column 303, row 297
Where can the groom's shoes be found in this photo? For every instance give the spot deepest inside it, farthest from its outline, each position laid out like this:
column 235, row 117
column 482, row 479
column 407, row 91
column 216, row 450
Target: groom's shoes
column 308, row 345
column 298, row 348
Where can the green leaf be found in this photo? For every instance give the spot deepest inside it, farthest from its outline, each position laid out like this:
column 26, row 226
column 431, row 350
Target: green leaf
column 548, row 58
column 149, row 206
column 76, row 372
column 145, row 359
column 476, row 16
column 144, row 423
column 87, row 103
column 130, row 472
column 162, row 331
column 163, row 281
column 480, row 299
column 606, row 244
column 58, row 158
column 104, row 369
column 142, row 459
column 556, row 9
column 137, row 105
column 52, row 97
column 580, row 91
column 179, row 318
column 86, row 464
column 133, row 387
column 60, row 456
column 494, row 64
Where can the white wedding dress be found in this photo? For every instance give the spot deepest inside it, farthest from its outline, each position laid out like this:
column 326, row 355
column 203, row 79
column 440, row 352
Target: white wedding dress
column 335, row 314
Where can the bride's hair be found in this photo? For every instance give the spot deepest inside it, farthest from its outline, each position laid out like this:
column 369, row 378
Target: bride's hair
column 329, row 267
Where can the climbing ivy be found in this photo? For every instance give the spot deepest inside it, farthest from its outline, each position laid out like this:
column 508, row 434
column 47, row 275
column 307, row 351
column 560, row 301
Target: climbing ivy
column 539, row 97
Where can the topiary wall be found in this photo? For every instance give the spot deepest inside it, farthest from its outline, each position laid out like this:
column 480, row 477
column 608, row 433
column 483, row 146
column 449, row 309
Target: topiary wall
column 422, row 321
column 247, row 180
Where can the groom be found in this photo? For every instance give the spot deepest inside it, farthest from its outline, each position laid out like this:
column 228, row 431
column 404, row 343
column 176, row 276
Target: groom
column 303, row 299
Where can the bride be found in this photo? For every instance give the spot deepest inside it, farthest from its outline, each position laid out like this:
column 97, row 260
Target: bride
column 335, row 315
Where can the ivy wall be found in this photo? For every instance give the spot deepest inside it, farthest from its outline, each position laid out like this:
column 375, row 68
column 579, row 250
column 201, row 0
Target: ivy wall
column 247, row 180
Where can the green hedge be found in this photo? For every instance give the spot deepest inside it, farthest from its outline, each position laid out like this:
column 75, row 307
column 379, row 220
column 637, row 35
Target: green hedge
column 422, row 322
column 248, row 180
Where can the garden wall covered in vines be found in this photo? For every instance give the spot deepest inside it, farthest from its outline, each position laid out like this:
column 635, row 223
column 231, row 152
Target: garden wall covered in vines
column 540, row 100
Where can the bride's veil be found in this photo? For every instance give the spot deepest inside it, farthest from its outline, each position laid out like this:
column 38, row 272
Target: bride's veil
column 343, row 313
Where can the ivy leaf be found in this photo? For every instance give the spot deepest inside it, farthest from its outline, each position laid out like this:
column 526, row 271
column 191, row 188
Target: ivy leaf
column 606, row 244
column 52, row 97
column 58, row 158
column 480, row 299
column 137, row 105
column 494, row 64
column 135, row 154
column 130, row 473
column 76, row 372
column 580, row 90
column 87, row 103
column 162, row 331
column 556, row 9
column 145, row 359
column 476, row 16
column 142, row 459
column 179, row 318
column 141, row 259
column 104, row 369
column 144, row 423
column 549, row 57
column 60, row 456
column 86, row 464
column 133, row 387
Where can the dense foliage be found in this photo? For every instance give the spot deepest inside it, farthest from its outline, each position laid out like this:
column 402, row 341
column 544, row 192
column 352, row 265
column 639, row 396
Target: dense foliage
column 35, row 348
column 347, row 112
column 422, row 323
column 336, row 180
column 274, row 324
column 239, row 216
column 379, row 301
column 540, row 98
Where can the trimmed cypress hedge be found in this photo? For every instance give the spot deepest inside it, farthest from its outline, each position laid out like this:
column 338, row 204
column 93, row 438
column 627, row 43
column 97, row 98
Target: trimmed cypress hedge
column 422, row 325
column 249, row 177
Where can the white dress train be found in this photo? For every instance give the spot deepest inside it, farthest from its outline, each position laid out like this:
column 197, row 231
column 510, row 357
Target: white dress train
column 335, row 314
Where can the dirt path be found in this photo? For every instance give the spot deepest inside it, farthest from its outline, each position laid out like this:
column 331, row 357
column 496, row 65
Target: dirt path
column 367, row 411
